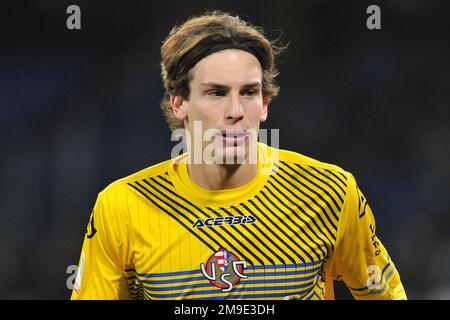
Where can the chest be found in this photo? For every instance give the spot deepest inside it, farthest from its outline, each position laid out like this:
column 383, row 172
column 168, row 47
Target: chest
column 236, row 252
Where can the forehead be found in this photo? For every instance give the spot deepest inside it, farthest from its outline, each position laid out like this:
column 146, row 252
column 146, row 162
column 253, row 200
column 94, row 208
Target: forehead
column 231, row 66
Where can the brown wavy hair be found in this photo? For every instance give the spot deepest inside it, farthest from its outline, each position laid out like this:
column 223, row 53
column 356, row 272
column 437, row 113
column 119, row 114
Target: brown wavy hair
column 201, row 35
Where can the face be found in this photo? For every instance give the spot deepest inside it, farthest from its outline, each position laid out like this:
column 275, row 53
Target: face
column 226, row 99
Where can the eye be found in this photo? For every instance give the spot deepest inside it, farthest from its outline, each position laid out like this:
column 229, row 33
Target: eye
column 216, row 93
column 249, row 92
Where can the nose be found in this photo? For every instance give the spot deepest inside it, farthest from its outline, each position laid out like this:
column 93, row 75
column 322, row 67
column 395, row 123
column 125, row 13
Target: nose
column 236, row 109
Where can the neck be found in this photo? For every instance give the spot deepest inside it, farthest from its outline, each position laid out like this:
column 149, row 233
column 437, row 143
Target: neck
column 220, row 177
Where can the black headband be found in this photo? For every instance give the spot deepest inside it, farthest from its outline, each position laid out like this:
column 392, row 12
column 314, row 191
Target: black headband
column 213, row 49
column 229, row 46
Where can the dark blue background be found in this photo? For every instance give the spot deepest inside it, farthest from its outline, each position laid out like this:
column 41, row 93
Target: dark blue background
column 80, row 109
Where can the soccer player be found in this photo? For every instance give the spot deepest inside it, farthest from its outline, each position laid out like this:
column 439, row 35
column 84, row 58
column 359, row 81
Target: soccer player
column 231, row 218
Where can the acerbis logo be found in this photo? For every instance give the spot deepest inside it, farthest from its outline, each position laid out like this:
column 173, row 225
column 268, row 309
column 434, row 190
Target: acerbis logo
column 219, row 221
column 224, row 269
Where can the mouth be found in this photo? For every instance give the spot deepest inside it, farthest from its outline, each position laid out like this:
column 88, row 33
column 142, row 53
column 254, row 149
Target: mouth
column 233, row 137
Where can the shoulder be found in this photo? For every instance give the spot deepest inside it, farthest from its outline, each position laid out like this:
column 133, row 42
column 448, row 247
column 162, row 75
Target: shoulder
column 329, row 182
column 114, row 203
column 121, row 185
column 299, row 161
column 314, row 174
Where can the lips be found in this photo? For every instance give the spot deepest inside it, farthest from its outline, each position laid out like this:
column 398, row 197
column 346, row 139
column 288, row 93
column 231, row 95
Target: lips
column 233, row 133
column 234, row 137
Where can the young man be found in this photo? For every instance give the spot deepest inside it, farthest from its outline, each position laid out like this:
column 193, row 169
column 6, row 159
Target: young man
column 231, row 218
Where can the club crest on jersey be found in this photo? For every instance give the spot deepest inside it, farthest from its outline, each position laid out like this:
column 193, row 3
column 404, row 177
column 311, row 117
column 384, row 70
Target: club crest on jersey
column 219, row 221
column 224, row 269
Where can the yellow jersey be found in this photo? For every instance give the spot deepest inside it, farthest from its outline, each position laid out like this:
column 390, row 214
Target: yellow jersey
column 157, row 235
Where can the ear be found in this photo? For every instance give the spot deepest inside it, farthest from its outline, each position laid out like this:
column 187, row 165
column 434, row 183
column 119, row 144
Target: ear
column 178, row 107
column 265, row 110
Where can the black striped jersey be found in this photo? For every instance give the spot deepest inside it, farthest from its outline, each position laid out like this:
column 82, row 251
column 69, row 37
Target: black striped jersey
column 157, row 235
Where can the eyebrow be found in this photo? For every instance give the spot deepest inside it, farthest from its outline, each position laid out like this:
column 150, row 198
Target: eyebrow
column 221, row 86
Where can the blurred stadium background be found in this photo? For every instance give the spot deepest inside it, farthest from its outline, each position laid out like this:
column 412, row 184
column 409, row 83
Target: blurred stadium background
column 80, row 109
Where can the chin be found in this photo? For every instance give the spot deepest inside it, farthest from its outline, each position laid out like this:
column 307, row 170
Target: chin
column 234, row 155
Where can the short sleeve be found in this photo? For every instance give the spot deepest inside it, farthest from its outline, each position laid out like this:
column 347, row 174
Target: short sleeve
column 102, row 263
column 360, row 259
